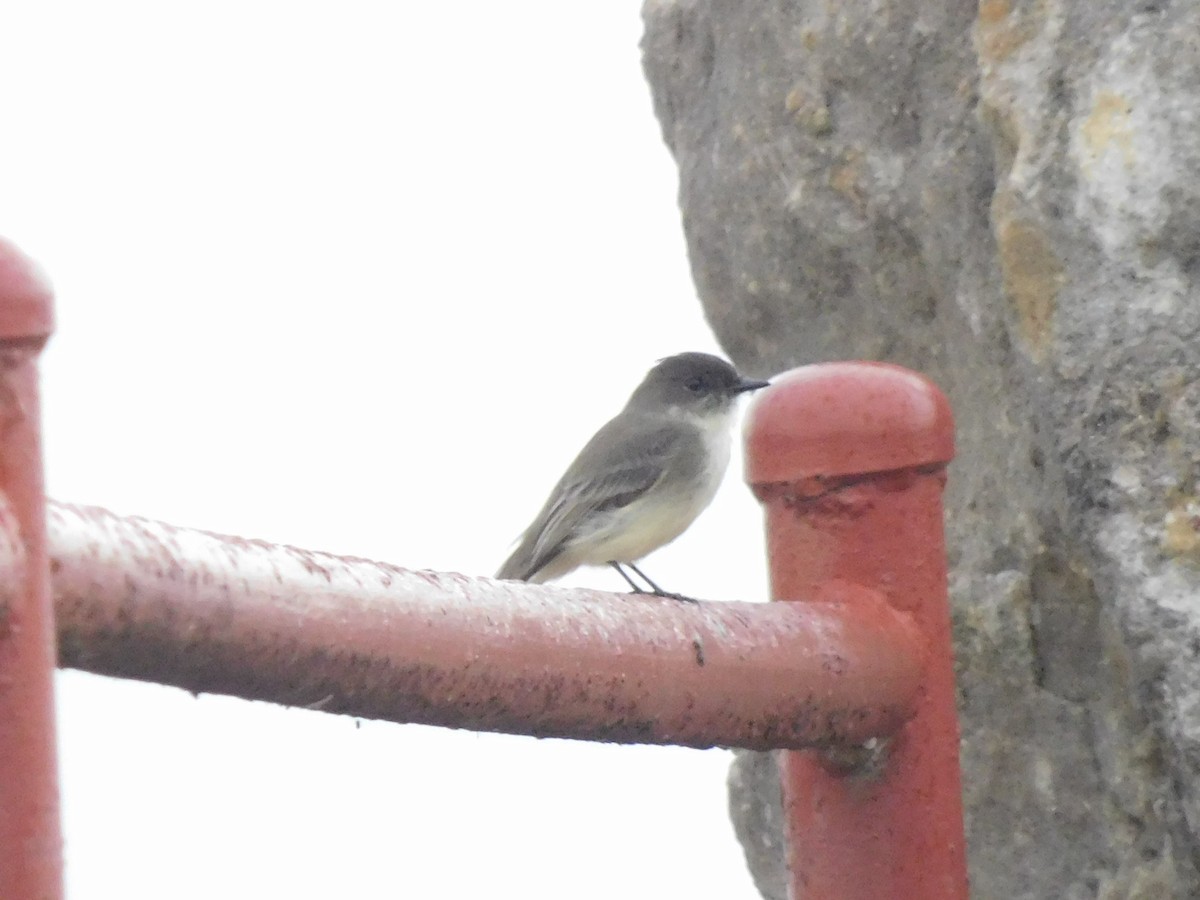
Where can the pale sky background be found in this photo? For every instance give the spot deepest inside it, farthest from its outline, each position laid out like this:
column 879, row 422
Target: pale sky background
column 360, row 277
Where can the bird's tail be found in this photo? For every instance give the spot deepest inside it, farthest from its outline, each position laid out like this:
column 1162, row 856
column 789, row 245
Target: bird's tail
column 519, row 566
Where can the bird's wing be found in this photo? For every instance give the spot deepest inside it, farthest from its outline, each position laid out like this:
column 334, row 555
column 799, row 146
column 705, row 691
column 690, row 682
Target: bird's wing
column 607, row 475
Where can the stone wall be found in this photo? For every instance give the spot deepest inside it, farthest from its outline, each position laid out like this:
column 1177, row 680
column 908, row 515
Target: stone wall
column 1005, row 195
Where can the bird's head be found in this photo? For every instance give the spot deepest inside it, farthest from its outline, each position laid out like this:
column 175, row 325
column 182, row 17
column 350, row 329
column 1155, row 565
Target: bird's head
column 695, row 383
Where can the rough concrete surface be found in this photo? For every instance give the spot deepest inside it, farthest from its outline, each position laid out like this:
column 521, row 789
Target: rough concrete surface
column 1005, row 195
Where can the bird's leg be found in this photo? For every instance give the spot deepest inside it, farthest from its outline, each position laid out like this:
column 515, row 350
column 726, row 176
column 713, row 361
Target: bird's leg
column 659, row 592
column 654, row 587
column 633, row 584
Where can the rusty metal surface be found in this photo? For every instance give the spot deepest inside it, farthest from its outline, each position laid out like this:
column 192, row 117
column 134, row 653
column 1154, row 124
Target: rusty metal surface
column 846, row 418
column 26, row 299
column 849, row 462
column 146, row 600
column 30, row 831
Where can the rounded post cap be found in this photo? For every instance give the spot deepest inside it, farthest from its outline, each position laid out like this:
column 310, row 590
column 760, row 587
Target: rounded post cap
column 26, row 298
column 846, row 418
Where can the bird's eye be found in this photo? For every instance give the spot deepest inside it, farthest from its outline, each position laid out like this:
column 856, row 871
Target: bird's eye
column 695, row 385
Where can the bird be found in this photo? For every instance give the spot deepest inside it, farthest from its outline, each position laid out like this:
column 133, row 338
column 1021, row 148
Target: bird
column 642, row 479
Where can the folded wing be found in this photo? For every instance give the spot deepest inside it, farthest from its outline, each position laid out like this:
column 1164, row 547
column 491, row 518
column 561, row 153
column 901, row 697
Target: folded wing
column 610, row 473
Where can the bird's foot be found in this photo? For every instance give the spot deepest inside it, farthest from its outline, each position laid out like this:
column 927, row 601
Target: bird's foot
column 655, row 590
column 682, row 598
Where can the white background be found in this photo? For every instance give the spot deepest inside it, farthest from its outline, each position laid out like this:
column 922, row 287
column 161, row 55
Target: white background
column 360, row 277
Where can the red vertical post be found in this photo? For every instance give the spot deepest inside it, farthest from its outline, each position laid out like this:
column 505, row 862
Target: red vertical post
column 30, row 835
column 849, row 462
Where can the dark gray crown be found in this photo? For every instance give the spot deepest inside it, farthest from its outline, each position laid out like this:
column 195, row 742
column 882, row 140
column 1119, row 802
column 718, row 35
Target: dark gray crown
column 692, row 380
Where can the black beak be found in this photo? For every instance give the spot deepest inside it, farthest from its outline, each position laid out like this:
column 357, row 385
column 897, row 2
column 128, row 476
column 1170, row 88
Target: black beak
column 749, row 384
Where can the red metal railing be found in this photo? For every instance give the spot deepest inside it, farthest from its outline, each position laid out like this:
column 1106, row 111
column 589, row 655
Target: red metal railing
column 849, row 460
column 141, row 599
column 30, row 836
column 855, row 683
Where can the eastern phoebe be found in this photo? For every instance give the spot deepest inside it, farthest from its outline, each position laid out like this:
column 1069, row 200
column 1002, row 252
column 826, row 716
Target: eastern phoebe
column 642, row 479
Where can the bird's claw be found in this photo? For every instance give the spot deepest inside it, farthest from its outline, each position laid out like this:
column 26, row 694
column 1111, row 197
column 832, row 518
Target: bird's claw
column 682, row 598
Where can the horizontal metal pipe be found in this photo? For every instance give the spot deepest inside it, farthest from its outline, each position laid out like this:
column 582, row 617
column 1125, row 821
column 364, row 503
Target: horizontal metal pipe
column 141, row 599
